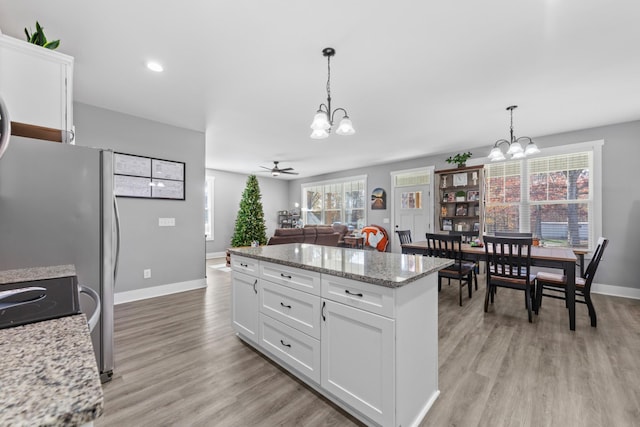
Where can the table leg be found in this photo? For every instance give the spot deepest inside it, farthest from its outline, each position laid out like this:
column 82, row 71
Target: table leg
column 570, row 269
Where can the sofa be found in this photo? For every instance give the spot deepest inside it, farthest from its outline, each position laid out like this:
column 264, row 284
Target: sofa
column 318, row 235
column 341, row 229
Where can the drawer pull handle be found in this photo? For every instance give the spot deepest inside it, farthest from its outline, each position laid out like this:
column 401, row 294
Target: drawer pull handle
column 324, row 303
column 351, row 293
column 254, row 286
column 285, row 276
column 244, row 265
column 286, row 345
column 286, row 306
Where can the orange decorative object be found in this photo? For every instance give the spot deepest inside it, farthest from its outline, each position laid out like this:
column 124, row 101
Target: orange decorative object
column 376, row 237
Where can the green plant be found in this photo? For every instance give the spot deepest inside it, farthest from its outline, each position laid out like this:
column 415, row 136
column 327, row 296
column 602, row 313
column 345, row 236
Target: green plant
column 460, row 193
column 460, row 158
column 38, row 37
column 250, row 225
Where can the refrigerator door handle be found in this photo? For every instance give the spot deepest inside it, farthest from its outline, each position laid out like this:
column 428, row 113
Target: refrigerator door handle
column 117, row 260
column 95, row 316
column 5, row 127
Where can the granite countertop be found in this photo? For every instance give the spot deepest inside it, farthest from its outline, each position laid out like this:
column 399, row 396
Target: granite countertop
column 36, row 273
column 379, row 268
column 48, row 372
column 49, row 375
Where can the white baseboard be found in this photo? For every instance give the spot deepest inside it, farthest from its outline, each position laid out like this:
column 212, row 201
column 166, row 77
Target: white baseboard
column 615, row 291
column 211, row 255
column 156, row 291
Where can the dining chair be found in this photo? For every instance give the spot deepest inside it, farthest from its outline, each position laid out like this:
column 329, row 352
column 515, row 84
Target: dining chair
column 468, row 237
column 558, row 283
column 446, row 246
column 405, row 236
column 509, row 266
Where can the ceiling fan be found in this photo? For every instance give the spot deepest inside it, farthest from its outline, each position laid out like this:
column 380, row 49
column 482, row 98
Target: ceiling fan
column 275, row 170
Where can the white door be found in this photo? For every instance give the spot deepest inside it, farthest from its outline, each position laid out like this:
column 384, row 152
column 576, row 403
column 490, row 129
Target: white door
column 412, row 204
column 357, row 361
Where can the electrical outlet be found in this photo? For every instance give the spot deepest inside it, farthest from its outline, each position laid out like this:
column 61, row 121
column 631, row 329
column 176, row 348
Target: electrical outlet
column 146, row 273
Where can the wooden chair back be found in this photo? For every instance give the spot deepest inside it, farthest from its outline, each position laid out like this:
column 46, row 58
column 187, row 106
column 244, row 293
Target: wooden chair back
column 404, row 236
column 593, row 265
column 508, row 258
column 512, row 234
column 444, row 246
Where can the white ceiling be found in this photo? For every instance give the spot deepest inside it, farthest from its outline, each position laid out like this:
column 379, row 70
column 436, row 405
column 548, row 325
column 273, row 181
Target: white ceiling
column 417, row 77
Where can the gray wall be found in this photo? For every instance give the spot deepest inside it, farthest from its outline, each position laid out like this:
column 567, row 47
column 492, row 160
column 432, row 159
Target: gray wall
column 174, row 254
column 620, row 201
column 228, row 189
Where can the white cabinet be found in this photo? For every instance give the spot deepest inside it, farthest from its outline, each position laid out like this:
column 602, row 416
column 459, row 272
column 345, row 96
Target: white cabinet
column 373, row 350
column 36, row 84
column 358, row 360
column 244, row 307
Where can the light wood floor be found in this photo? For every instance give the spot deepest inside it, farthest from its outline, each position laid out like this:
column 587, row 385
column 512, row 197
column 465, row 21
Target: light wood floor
column 178, row 363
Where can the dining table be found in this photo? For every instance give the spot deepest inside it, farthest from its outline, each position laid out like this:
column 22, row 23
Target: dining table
column 550, row 257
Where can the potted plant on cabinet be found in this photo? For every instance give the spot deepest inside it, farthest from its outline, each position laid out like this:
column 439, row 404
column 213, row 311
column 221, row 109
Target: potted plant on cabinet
column 459, row 159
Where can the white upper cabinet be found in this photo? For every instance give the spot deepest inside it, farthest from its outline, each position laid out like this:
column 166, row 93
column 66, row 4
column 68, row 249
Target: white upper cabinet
column 36, row 84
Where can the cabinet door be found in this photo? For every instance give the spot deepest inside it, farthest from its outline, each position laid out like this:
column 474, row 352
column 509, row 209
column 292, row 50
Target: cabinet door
column 36, row 84
column 245, row 305
column 358, row 360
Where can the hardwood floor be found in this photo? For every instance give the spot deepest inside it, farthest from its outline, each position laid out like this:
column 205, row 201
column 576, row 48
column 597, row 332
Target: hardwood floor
column 178, row 363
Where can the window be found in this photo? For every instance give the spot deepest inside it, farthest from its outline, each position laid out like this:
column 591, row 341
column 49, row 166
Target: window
column 551, row 197
column 208, row 207
column 341, row 201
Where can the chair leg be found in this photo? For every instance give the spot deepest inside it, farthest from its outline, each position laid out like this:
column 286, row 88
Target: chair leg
column 460, row 293
column 486, row 298
column 475, row 278
column 538, row 296
column 592, row 310
column 527, row 293
column 439, row 283
column 469, row 284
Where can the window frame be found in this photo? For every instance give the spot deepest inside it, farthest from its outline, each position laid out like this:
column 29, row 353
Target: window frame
column 343, row 202
column 595, row 184
column 209, row 187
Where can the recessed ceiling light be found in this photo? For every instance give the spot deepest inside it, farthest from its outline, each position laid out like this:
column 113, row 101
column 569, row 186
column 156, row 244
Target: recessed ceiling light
column 154, row 66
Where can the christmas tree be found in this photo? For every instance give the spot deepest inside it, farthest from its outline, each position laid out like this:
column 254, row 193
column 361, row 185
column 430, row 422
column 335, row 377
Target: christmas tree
column 250, row 220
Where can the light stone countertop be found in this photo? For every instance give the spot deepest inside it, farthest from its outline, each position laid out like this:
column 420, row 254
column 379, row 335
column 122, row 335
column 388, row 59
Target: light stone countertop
column 36, row 273
column 379, row 268
column 48, row 370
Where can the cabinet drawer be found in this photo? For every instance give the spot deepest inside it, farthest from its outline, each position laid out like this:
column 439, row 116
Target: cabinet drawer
column 299, row 310
column 291, row 346
column 365, row 296
column 244, row 264
column 296, row 278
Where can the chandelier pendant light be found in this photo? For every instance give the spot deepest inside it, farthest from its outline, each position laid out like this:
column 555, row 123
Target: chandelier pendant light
column 323, row 120
column 515, row 150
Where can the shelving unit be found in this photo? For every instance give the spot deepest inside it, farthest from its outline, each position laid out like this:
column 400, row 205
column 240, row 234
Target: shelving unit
column 287, row 219
column 460, row 199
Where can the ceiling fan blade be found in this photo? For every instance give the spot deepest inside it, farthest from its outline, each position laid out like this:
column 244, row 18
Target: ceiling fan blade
column 286, row 169
column 264, row 167
column 287, row 172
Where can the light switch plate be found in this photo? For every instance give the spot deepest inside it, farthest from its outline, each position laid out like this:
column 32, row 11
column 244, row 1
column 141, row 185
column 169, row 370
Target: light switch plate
column 167, row 222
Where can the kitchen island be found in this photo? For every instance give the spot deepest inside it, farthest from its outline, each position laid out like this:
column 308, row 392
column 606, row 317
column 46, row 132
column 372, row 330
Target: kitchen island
column 48, row 373
column 358, row 326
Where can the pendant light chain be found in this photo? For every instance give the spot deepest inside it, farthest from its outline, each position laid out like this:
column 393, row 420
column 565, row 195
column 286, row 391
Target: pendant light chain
column 329, row 84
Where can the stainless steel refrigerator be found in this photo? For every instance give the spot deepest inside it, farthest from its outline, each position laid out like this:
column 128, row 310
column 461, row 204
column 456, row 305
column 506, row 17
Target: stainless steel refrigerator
column 57, row 207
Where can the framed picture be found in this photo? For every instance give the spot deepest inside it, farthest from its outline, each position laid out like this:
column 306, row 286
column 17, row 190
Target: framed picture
column 447, row 225
column 473, row 195
column 378, row 199
column 461, row 209
column 476, row 226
